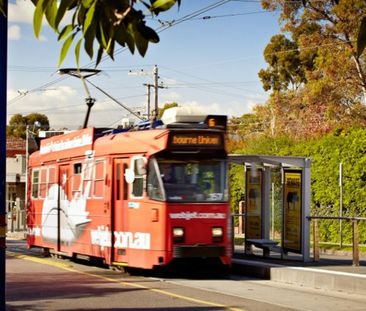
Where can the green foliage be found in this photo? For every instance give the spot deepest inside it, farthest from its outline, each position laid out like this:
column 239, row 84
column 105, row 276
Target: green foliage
column 166, row 106
column 236, row 180
column 18, row 124
column 319, row 73
column 326, row 153
column 284, row 62
column 105, row 21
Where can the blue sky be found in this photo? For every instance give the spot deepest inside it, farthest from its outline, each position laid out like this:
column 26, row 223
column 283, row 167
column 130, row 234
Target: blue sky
column 211, row 62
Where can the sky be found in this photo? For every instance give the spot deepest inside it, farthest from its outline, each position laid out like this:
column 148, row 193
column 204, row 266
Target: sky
column 210, row 61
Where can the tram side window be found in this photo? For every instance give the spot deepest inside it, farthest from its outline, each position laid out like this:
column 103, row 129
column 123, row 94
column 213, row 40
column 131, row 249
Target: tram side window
column 76, row 180
column 43, row 183
column 51, row 195
column 138, row 183
column 87, row 179
column 98, row 179
column 35, row 184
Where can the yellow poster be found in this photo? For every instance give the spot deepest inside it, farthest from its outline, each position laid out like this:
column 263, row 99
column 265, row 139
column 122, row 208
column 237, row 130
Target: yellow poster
column 253, row 225
column 292, row 211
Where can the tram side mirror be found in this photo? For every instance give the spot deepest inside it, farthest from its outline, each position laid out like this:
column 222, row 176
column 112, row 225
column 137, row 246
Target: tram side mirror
column 140, row 166
column 129, row 176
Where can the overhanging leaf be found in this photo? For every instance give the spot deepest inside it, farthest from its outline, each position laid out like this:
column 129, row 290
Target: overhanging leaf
column 65, row 32
column 148, row 33
column 89, row 40
column 130, row 38
column 64, row 6
column 161, row 5
column 110, row 50
column 81, row 15
column 51, row 13
column 89, row 18
column 99, row 56
column 141, row 42
column 37, row 18
column 65, row 48
column 88, row 3
column 77, row 52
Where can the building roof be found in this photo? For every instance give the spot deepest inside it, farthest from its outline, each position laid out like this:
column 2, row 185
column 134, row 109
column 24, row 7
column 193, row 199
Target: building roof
column 14, row 146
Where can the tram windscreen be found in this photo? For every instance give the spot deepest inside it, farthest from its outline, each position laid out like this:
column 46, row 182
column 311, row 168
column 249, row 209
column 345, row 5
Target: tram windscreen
column 203, row 180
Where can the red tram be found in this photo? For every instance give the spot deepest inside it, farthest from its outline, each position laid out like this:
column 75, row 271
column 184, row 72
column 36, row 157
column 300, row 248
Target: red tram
column 134, row 198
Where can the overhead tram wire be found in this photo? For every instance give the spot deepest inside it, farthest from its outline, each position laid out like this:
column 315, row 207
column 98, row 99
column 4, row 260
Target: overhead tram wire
column 213, row 87
column 205, row 80
column 173, row 23
column 207, row 17
column 118, row 51
column 42, row 87
column 115, row 100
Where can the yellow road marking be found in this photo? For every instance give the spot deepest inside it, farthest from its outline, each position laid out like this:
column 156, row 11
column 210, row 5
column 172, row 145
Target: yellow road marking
column 42, row 261
column 136, row 285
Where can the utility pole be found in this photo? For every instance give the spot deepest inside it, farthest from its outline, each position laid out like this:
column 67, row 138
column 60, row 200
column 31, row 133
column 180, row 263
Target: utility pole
column 340, row 203
column 3, row 113
column 156, row 86
column 148, row 99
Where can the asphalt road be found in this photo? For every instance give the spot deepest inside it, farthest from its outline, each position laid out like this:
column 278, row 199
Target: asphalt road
column 37, row 283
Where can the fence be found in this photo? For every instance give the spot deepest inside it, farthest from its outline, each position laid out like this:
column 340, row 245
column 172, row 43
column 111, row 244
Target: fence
column 355, row 235
column 16, row 215
column 315, row 220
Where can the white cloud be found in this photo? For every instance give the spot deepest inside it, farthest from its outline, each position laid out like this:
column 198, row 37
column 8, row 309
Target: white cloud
column 21, row 12
column 65, row 107
column 233, row 108
column 14, row 32
column 62, row 105
column 42, row 38
column 169, row 97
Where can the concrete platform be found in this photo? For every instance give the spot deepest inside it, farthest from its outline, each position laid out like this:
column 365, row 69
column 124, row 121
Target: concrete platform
column 332, row 272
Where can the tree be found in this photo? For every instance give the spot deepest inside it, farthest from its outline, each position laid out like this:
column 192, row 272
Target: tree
column 107, row 22
column 166, row 106
column 285, row 66
column 330, row 75
column 18, row 124
column 335, row 28
column 243, row 128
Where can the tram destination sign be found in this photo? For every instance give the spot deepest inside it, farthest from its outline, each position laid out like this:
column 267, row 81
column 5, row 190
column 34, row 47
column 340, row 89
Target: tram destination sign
column 196, row 139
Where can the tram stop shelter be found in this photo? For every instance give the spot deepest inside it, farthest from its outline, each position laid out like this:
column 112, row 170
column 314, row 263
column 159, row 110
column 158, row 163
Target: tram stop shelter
column 293, row 197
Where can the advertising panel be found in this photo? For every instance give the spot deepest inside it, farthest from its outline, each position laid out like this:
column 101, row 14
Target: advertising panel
column 253, row 224
column 292, row 212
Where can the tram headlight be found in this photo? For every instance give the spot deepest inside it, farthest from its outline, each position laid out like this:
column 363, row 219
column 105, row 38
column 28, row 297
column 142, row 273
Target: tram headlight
column 178, row 234
column 217, row 234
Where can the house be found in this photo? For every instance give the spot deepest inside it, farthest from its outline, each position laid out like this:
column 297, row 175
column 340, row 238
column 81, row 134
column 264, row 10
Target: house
column 16, row 152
